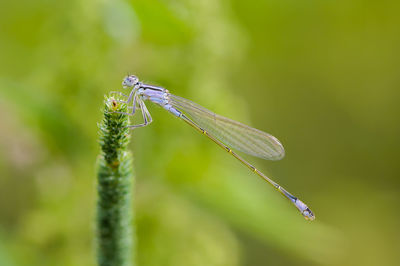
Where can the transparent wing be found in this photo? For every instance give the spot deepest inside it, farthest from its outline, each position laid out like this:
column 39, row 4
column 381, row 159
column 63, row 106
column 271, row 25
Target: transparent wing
column 234, row 134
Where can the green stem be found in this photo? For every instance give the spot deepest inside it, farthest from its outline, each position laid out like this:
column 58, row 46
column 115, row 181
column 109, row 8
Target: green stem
column 114, row 207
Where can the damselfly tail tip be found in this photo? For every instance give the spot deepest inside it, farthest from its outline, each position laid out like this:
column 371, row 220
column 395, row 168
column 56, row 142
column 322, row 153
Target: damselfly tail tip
column 305, row 211
column 308, row 215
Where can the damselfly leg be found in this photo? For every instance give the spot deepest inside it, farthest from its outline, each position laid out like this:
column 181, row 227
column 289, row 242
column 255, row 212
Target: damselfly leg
column 147, row 119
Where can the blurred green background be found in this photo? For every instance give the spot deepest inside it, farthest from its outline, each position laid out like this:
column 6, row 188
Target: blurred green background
column 322, row 76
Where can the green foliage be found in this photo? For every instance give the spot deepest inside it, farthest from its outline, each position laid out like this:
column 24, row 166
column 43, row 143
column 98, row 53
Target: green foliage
column 322, row 76
column 114, row 208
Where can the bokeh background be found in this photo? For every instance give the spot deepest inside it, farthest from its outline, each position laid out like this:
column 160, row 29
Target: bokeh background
column 322, row 76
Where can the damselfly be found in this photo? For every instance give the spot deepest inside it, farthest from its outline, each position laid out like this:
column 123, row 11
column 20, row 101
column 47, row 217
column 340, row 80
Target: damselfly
column 224, row 132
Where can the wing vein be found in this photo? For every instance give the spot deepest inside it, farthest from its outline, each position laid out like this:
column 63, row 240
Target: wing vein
column 232, row 133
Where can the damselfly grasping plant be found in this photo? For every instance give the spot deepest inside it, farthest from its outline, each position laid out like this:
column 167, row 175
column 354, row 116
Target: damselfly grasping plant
column 224, row 132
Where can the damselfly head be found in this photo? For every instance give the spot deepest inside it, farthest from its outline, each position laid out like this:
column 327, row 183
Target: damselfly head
column 130, row 81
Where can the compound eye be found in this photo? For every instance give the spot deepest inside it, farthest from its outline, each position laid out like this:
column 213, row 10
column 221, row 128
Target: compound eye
column 129, row 81
column 133, row 80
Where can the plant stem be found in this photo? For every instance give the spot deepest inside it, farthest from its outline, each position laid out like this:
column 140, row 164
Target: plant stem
column 114, row 206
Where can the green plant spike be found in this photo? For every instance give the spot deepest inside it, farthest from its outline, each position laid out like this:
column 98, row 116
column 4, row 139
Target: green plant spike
column 114, row 206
